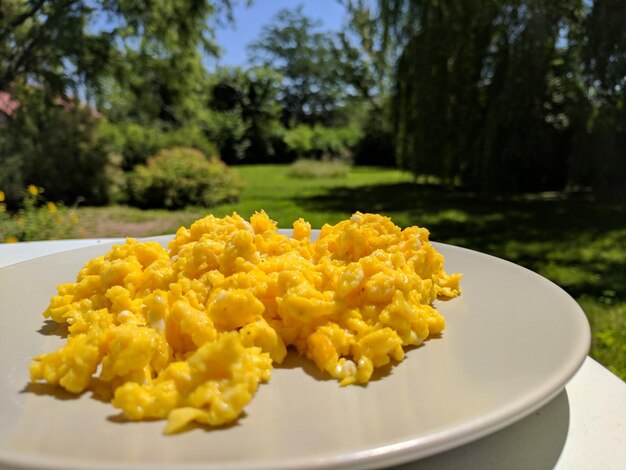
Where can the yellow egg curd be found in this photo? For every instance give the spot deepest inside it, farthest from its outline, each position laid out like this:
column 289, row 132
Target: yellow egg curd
column 188, row 333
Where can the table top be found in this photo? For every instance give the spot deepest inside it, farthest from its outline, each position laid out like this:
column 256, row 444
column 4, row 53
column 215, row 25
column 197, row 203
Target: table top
column 583, row 427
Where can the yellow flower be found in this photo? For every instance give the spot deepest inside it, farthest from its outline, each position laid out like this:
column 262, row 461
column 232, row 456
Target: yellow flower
column 32, row 189
column 52, row 207
column 3, row 208
column 74, row 218
column 2, row 196
column 11, row 240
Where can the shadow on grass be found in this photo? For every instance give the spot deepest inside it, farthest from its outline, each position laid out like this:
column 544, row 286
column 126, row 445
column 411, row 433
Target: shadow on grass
column 579, row 244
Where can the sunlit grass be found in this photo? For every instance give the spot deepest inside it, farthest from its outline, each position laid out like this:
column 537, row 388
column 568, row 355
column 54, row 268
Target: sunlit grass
column 285, row 199
column 318, row 169
column 608, row 324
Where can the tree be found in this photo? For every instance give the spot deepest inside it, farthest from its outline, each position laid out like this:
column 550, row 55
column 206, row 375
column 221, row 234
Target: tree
column 305, row 57
column 475, row 90
column 142, row 57
column 368, row 56
column 146, row 89
column 604, row 64
column 244, row 114
column 69, row 45
column 56, row 146
column 366, row 53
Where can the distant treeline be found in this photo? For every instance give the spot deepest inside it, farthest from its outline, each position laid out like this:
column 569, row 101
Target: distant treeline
column 493, row 96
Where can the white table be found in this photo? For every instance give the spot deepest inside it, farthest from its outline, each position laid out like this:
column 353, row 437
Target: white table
column 584, row 427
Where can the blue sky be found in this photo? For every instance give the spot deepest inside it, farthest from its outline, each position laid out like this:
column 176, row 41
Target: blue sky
column 250, row 20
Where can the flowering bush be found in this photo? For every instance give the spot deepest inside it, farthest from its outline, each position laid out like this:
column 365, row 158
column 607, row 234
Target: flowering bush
column 37, row 219
column 55, row 144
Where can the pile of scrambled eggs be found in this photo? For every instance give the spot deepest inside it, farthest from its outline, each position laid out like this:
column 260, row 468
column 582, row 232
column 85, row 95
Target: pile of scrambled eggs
column 188, row 333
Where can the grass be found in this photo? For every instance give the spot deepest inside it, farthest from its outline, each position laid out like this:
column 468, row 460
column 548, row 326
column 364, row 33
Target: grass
column 286, row 199
column 578, row 244
column 267, row 187
column 305, row 168
column 122, row 221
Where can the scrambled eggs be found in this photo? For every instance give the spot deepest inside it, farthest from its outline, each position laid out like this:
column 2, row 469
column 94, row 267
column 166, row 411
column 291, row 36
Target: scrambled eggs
column 188, row 333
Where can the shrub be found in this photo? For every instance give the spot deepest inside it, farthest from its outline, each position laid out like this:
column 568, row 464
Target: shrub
column 299, row 140
column 321, row 141
column 318, row 169
column 53, row 143
column 181, row 177
column 37, row 219
column 136, row 143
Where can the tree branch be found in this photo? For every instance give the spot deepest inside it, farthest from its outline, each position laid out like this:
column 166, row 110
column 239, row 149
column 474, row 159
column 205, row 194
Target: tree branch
column 22, row 56
column 21, row 19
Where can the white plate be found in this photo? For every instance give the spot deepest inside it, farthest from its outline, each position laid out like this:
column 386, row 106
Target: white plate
column 513, row 340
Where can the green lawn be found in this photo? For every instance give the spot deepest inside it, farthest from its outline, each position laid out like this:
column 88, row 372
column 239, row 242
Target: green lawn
column 578, row 244
column 286, row 199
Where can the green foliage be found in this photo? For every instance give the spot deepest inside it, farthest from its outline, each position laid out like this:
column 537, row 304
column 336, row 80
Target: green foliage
column 365, row 53
column 146, row 89
column 244, row 112
column 510, row 96
column 53, row 43
column 181, row 177
column 136, row 143
column 604, row 43
column 335, row 141
column 305, row 168
column 55, row 143
column 300, row 140
column 36, row 219
column 143, row 65
column 604, row 61
column 321, row 141
column 307, row 59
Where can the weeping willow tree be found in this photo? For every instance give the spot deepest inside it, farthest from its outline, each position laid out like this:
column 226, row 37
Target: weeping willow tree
column 490, row 94
column 438, row 99
column 603, row 51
